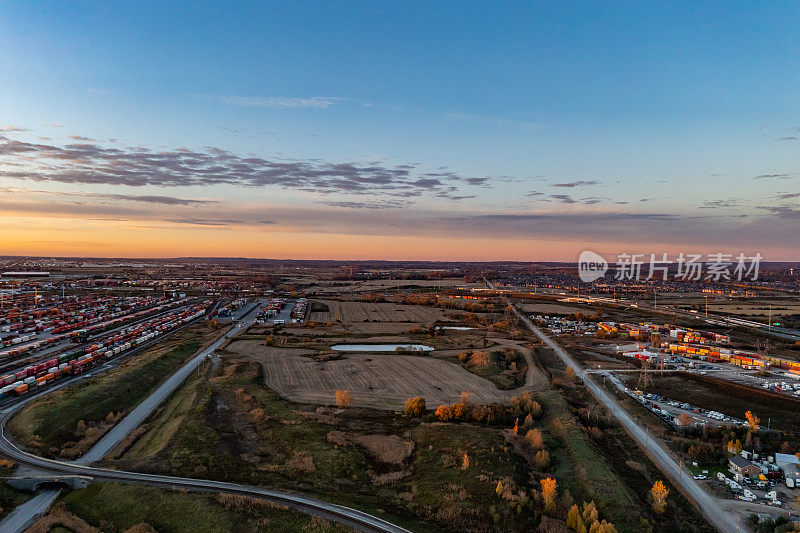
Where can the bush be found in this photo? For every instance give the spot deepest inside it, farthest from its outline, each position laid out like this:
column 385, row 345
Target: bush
column 415, row 406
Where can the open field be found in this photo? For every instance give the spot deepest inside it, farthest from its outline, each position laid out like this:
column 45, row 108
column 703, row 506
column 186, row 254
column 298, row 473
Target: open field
column 67, row 422
column 238, row 430
column 548, row 308
column 113, row 508
column 352, row 312
column 383, row 381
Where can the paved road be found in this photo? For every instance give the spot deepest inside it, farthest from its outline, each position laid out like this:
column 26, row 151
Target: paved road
column 149, row 405
column 23, row 516
column 722, row 520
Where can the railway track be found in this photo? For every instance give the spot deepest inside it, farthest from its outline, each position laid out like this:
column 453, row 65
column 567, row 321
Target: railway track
column 347, row 516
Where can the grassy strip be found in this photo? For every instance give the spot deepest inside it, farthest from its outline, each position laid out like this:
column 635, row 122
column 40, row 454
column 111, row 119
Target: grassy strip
column 114, row 508
column 74, row 418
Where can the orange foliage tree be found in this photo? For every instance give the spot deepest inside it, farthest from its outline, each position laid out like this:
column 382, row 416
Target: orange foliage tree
column 343, row 399
column 752, row 421
column 549, row 493
column 659, row 493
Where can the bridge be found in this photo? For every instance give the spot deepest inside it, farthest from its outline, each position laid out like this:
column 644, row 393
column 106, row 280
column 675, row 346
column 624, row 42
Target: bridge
column 33, row 483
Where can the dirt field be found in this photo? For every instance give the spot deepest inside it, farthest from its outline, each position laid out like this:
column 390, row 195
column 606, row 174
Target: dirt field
column 378, row 381
column 549, row 309
column 353, row 312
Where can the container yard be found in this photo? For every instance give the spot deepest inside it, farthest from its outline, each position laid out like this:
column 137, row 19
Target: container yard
column 136, row 331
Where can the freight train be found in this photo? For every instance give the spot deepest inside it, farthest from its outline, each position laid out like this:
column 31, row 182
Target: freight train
column 77, row 361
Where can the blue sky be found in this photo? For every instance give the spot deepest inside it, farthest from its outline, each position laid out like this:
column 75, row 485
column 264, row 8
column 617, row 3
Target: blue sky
column 645, row 109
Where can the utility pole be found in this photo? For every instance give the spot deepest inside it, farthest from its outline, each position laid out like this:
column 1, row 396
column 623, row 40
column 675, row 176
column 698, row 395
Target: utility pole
column 769, row 326
column 655, row 300
column 706, row 307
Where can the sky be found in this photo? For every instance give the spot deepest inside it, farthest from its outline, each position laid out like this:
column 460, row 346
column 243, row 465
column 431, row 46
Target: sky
column 409, row 130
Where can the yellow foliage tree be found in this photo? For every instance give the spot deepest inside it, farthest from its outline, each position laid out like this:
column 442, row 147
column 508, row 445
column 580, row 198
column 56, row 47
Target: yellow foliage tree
column 752, row 421
column 659, row 493
column 589, row 514
column 542, row 459
column 549, row 493
column 735, row 447
column 415, row 406
column 574, row 519
column 570, row 373
column 343, row 399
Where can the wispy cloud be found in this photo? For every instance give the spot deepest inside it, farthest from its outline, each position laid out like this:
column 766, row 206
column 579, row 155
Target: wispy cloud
column 93, row 163
column 314, row 102
column 579, row 183
column 774, row 176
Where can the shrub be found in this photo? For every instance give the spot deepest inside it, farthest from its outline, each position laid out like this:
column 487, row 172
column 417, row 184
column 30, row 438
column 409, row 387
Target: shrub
column 415, row 406
column 343, row 399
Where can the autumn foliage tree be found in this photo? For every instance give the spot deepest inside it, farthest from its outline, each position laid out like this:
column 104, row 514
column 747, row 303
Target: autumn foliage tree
column 549, row 493
column 570, row 374
column 534, row 438
column 752, row 421
column 343, row 399
column 444, row 413
column 659, row 492
column 415, row 406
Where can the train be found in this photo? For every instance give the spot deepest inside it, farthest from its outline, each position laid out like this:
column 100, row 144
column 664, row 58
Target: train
column 77, row 361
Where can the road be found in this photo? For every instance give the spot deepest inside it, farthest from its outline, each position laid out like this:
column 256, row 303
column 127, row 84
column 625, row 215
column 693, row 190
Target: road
column 709, row 505
column 146, row 408
column 25, row 514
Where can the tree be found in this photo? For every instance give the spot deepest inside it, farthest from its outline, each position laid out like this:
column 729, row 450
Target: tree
column 570, row 374
column 343, row 399
column 734, row 447
column 685, row 420
column 589, row 514
column 444, row 413
column 466, row 397
column 542, row 459
column 752, row 421
column 516, row 427
column 465, row 462
column 415, row 406
column 574, row 520
column 535, row 439
column 659, row 493
column 549, row 493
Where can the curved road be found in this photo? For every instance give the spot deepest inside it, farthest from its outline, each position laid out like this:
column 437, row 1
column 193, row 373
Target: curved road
column 21, row 517
column 708, row 504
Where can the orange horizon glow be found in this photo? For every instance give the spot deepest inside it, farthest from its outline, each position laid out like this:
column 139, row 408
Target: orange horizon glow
column 74, row 237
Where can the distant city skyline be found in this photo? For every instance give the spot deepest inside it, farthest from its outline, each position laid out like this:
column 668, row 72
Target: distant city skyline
column 418, row 131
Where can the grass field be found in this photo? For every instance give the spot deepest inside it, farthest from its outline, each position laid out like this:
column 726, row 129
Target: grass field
column 114, row 508
column 239, row 430
column 65, row 423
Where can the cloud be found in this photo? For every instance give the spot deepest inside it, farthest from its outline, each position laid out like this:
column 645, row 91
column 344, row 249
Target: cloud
column 314, row 102
column 93, row 163
column 390, row 204
column 714, row 204
column 533, row 193
column 774, row 176
column 580, row 183
column 79, row 138
column 13, row 128
column 166, row 200
column 787, row 139
column 54, row 125
column 787, row 195
column 563, row 198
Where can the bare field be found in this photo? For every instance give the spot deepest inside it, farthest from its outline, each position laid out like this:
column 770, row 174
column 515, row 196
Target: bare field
column 354, row 312
column 377, row 381
column 549, row 309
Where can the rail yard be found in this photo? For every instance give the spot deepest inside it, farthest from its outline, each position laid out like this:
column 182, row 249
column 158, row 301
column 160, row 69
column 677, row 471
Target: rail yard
column 267, row 381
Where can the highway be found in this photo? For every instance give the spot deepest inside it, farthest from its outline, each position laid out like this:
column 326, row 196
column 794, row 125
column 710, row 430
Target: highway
column 24, row 515
column 662, row 458
column 656, row 451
